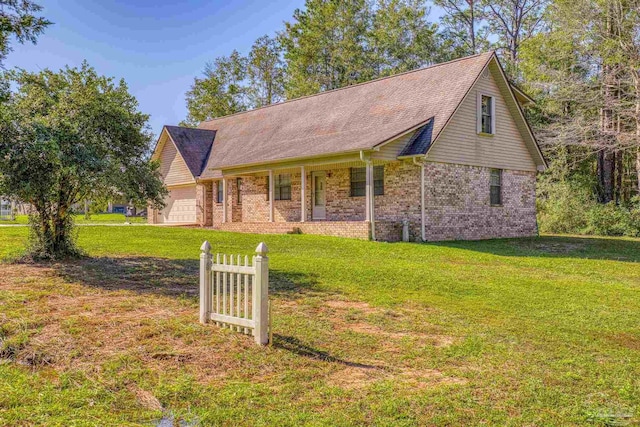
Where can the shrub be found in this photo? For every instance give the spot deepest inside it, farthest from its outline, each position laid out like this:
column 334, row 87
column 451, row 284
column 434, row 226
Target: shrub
column 562, row 208
column 609, row 220
column 570, row 207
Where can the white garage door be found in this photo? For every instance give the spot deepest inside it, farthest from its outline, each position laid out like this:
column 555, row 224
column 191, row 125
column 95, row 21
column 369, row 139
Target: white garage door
column 181, row 206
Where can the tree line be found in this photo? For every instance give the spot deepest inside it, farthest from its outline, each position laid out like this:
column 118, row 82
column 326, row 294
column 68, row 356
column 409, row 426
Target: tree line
column 330, row 44
column 579, row 59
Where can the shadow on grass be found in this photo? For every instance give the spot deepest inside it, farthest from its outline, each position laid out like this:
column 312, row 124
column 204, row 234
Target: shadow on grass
column 613, row 249
column 294, row 345
column 169, row 277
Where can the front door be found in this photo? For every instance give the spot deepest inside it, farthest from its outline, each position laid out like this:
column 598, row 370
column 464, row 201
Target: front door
column 319, row 200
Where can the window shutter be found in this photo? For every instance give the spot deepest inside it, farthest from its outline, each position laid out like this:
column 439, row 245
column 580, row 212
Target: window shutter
column 478, row 112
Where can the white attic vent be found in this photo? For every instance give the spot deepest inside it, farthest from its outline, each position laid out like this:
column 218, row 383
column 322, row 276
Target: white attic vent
column 485, row 73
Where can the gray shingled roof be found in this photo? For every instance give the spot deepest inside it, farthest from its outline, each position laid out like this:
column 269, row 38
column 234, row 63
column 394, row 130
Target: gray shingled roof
column 420, row 142
column 350, row 119
column 194, row 146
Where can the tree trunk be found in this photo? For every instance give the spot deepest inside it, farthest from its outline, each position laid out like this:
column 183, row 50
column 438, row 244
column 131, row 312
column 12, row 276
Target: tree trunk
column 606, row 174
column 619, row 173
column 638, row 163
column 472, row 29
column 636, row 83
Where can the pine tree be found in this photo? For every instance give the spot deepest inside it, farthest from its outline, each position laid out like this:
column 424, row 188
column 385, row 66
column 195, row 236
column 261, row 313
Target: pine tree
column 325, row 46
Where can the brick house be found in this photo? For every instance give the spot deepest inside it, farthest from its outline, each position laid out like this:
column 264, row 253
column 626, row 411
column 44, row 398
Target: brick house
column 445, row 149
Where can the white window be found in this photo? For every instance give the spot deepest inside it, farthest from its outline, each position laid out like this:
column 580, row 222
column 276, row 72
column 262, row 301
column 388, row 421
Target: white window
column 486, row 114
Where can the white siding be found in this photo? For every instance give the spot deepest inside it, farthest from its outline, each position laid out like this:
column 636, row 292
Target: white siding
column 173, row 168
column 459, row 142
column 392, row 149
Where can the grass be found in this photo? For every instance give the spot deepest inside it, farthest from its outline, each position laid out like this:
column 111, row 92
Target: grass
column 102, row 218
column 541, row 331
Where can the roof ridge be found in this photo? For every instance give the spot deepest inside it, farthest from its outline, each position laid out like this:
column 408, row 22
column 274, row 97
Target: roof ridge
column 490, row 52
column 189, row 128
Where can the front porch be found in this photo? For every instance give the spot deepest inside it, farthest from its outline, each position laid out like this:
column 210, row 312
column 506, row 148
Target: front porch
column 356, row 198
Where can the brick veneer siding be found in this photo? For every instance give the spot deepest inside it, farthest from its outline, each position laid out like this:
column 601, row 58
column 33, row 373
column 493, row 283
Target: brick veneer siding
column 457, row 203
column 216, row 208
column 401, row 201
column 200, row 204
column 352, row 229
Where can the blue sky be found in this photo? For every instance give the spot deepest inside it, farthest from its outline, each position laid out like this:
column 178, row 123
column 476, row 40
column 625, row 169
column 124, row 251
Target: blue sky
column 157, row 46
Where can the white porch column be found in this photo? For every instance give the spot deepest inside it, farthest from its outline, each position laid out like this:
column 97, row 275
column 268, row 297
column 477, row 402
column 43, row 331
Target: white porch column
column 423, row 231
column 303, row 192
column 369, row 198
column 367, row 193
column 271, row 195
column 224, row 200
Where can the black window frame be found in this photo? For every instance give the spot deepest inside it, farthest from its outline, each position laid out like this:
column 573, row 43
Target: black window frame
column 358, row 181
column 281, row 186
column 495, row 189
column 219, row 192
column 486, row 117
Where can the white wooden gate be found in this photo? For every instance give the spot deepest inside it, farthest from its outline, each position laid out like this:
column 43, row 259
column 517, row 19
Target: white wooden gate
column 235, row 293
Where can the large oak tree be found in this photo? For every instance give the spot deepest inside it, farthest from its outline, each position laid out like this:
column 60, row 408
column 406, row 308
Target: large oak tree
column 70, row 136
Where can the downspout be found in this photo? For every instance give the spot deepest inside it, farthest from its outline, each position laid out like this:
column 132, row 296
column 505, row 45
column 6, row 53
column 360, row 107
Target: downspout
column 423, row 231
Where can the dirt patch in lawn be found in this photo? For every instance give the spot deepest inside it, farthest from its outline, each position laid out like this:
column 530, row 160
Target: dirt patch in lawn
column 78, row 327
column 145, row 398
column 351, row 378
column 350, row 305
column 436, row 340
column 344, row 320
column 625, row 339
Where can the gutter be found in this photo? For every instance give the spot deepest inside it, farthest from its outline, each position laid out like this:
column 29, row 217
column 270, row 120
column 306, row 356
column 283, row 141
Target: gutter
column 423, row 231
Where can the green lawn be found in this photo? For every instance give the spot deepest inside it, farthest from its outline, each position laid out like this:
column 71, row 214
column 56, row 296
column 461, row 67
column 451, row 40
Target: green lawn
column 542, row 331
column 102, row 218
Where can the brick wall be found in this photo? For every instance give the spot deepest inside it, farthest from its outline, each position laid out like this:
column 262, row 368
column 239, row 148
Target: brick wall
column 401, row 201
column 458, row 208
column 456, row 205
column 340, row 205
column 203, row 208
column 216, row 208
column 352, row 229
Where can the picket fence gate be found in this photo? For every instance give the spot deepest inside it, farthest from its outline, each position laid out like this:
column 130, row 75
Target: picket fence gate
column 234, row 293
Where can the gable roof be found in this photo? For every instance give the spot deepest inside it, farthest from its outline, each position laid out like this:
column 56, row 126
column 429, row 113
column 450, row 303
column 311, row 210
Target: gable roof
column 350, row 119
column 194, row 145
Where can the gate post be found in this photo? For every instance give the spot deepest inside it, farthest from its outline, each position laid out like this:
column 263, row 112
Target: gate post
column 205, row 282
column 261, row 296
